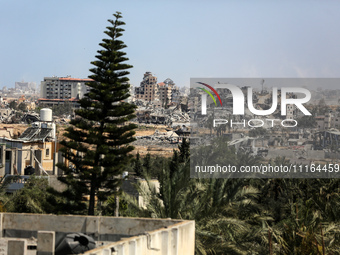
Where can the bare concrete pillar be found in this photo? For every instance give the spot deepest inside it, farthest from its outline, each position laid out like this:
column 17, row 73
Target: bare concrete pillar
column 38, row 156
column 1, row 221
column 3, row 160
column 16, row 161
column 46, row 243
column 32, row 157
column 174, row 241
column 133, row 247
column 61, row 160
column 55, row 161
column 11, row 164
column 106, row 252
column 165, row 243
column 3, row 246
column 17, row 247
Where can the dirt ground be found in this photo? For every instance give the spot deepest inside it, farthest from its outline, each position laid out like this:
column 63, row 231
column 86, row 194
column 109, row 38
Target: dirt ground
column 154, row 151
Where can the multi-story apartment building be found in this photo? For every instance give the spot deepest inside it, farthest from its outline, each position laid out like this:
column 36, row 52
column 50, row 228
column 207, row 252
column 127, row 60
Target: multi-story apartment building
column 167, row 91
column 176, row 95
column 63, row 87
column 150, row 90
column 164, row 92
column 328, row 120
column 290, row 111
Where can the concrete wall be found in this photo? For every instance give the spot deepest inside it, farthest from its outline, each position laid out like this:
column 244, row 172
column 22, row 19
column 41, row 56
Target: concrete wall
column 128, row 235
column 177, row 239
column 84, row 224
column 7, row 132
column 289, row 153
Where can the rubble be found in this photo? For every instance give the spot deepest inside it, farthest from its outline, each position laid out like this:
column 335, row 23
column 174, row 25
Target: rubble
column 149, row 114
column 158, row 139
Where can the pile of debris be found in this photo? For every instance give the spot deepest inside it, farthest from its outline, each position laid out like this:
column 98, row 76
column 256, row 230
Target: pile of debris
column 162, row 116
column 168, row 138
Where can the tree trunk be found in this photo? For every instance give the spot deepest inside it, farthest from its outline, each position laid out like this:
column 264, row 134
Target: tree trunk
column 92, row 197
column 117, row 204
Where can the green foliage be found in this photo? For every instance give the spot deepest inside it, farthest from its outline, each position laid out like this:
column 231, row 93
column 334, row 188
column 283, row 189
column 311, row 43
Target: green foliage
column 306, row 122
column 151, row 165
column 34, row 197
column 147, row 163
column 174, row 164
column 22, row 107
column 63, row 109
column 138, row 167
column 260, row 131
column 108, row 208
column 209, row 123
column 321, row 108
column 246, row 216
column 99, row 139
column 232, row 216
column 71, row 200
column 305, row 213
column 184, row 150
column 13, row 105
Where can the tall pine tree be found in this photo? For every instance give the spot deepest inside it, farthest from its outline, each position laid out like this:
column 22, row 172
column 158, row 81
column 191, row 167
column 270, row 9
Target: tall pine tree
column 98, row 141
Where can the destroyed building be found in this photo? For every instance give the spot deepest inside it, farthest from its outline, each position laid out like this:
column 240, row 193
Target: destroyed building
column 151, row 91
column 327, row 139
column 25, row 87
column 171, row 117
column 148, row 89
column 36, row 147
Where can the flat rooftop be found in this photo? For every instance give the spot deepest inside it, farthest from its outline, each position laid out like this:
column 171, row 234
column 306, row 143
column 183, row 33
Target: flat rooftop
column 41, row 234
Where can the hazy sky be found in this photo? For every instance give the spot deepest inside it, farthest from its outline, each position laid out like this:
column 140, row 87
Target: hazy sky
column 172, row 39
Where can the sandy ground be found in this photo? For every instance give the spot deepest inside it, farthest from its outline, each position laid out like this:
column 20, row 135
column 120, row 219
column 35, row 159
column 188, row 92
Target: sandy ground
column 154, row 151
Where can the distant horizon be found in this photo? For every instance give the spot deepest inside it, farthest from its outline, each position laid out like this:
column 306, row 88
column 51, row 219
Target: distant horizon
column 331, row 85
column 315, row 87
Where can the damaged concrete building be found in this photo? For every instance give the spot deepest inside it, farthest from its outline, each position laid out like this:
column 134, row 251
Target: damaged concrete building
column 151, row 91
column 36, row 147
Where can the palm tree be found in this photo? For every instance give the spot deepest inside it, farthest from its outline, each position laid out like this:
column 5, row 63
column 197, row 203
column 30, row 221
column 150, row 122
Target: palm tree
column 228, row 213
column 224, row 210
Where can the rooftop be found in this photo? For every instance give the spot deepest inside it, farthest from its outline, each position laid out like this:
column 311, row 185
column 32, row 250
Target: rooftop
column 54, row 234
column 74, row 79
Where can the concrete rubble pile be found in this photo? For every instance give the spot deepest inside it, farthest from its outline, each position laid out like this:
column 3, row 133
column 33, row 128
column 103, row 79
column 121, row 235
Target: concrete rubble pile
column 158, row 138
column 174, row 116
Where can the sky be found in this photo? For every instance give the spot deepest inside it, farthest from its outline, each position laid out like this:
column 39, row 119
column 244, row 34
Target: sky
column 172, row 39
